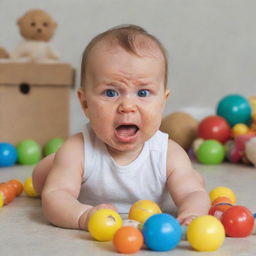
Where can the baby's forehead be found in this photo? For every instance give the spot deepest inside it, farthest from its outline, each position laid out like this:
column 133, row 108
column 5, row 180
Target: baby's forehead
column 141, row 45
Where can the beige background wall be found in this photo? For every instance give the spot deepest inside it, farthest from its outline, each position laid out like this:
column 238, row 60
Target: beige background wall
column 211, row 43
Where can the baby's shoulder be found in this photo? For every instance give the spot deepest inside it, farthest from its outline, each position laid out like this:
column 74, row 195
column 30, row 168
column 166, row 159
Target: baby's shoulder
column 176, row 156
column 73, row 144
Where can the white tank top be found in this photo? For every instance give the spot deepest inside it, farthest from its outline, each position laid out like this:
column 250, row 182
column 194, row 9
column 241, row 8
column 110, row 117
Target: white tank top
column 104, row 181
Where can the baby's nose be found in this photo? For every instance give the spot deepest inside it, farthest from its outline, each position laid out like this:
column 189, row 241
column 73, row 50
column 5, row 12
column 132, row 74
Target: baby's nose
column 126, row 107
column 39, row 30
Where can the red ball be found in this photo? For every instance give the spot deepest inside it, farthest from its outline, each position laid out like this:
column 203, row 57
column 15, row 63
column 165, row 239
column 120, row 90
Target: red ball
column 218, row 209
column 238, row 221
column 214, row 127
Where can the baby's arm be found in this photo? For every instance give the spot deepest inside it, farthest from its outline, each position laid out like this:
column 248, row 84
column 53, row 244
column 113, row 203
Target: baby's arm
column 185, row 185
column 62, row 187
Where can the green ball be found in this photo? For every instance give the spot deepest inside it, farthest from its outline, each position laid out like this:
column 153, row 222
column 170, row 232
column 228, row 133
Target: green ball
column 52, row 146
column 29, row 152
column 210, row 152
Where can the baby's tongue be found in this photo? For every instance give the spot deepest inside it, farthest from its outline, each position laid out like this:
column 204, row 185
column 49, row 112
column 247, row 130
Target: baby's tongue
column 126, row 130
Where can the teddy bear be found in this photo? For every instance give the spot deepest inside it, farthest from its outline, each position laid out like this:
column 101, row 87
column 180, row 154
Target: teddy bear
column 37, row 28
column 3, row 53
column 181, row 128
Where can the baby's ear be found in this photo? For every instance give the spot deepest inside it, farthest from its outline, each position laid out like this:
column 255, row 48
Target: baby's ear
column 82, row 98
column 167, row 93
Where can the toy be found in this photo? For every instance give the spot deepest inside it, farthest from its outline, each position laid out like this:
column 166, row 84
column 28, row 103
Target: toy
column 205, row 233
column 222, row 200
column 239, row 129
column 238, row 221
column 252, row 100
column 103, row 224
column 52, row 146
column 37, row 28
column 29, row 152
column 181, row 128
column 210, row 152
column 29, row 188
column 214, row 127
column 131, row 223
column 218, row 209
column 8, row 154
column 128, row 240
column 222, row 192
column 4, row 54
column 142, row 210
column 236, row 149
column 1, row 200
column 18, row 186
column 161, row 232
column 250, row 150
column 235, row 109
column 8, row 192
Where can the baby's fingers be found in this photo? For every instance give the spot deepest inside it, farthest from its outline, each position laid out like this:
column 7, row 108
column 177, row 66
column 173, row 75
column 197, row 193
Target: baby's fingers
column 186, row 221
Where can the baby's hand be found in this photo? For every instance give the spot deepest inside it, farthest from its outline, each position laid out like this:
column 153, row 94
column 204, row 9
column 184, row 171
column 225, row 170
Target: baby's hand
column 184, row 221
column 84, row 219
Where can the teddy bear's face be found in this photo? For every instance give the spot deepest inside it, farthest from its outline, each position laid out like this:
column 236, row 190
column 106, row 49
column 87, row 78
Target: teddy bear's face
column 37, row 25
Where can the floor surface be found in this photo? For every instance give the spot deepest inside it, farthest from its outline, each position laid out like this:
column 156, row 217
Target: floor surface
column 24, row 231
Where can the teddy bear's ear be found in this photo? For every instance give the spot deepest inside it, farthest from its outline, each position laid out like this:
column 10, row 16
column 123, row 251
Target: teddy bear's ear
column 19, row 21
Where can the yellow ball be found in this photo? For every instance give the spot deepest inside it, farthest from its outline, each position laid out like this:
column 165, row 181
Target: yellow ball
column 103, row 224
column 142, row 210
column 205, row 233
column 1, row 200
column 223, row 191
column 29, row 189
column 240, row 129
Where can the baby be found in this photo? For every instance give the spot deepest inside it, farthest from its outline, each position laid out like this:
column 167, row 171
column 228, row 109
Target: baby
column 121, row 156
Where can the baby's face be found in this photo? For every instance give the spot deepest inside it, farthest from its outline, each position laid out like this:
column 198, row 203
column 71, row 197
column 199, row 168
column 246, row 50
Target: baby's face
column 124, row 96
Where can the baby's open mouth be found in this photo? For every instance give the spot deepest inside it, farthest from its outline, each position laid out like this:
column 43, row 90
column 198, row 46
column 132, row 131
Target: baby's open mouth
column 127, row 131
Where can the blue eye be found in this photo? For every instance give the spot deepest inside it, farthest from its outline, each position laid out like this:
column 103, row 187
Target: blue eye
column 143, row 93
column 110, row 93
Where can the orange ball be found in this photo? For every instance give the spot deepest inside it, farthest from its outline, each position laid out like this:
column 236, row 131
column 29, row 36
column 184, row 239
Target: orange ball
column 18, row 186
column 128, row 240
column 8, row 192
column 222, row 199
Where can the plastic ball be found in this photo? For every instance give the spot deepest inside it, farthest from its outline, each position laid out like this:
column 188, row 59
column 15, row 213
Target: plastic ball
column 29, row 188
column 222, row 191
column 8, row 154
column 221, row 199
column 235, row 109
column 142, row 210
column 103, row 224
column 128, row 240
column 210, row 152
column 52, row 146
column 8, row 192
column 29, row 152
column 1, row 200
column 205, row 233
column 239, row 129
column 238, row 221
column 161, row 232
column 218, row 209
column 18, row 186
column 214, row 127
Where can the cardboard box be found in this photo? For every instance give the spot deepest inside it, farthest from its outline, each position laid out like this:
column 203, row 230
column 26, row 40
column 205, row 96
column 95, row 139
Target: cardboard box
column 34, row 101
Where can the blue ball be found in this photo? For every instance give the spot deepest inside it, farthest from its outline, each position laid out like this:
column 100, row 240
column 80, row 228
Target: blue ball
column 235, row 109
column 161, row 232
column 8, row 154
